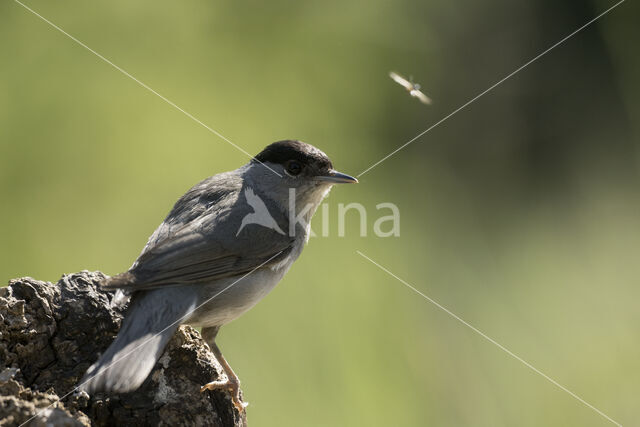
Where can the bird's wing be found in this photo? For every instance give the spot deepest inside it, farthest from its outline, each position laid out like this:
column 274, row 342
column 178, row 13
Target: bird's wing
column 421, row 96
column 401, row 80
column 204, row 248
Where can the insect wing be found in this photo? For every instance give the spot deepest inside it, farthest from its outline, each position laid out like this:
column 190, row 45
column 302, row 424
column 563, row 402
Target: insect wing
column 421, row 96
column 401, row 80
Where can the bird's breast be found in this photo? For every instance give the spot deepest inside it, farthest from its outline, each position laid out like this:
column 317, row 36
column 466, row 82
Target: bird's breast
column 225, row 300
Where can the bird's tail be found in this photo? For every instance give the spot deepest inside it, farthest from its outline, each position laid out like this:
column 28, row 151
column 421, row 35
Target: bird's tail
column 149, row 323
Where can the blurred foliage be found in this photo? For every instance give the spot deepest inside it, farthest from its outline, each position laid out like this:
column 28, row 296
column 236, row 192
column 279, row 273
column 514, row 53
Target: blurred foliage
column 519, row 213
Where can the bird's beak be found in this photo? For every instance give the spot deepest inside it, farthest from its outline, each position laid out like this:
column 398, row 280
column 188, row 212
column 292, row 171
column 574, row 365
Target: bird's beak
column 335, row 177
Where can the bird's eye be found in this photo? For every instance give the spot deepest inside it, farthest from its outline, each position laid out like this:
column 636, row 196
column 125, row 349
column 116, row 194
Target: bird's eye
column 294, row 168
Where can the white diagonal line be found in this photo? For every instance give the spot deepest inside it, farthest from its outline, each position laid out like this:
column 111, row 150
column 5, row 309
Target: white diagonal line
column 491, row 340
column 168, row 101
column 147, row 340
column 508, row 76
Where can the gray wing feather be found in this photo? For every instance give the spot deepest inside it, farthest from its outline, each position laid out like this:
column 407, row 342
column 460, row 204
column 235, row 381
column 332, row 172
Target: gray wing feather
column 197, row 242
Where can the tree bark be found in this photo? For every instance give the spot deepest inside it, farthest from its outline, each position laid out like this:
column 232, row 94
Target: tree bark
column 51, row 333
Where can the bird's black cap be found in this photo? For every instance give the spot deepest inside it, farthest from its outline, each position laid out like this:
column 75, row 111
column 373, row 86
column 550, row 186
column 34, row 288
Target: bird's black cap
column 283, row 151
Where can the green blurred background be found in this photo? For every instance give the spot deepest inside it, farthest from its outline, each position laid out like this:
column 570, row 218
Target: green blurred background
column 520, row 213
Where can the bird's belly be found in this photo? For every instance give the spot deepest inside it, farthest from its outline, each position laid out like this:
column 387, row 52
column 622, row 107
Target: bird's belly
column 225, row 300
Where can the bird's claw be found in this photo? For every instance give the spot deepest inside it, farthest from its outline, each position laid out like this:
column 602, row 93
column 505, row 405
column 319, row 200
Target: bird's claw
column 234, row 389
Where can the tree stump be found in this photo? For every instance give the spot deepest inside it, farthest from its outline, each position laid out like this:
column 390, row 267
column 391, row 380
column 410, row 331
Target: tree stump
column 51, row 333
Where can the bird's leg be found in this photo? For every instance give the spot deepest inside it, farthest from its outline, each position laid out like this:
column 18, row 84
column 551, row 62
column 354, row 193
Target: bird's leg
column 232, row 384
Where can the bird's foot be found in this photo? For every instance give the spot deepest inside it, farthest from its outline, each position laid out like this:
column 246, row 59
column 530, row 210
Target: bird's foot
column 234, row 389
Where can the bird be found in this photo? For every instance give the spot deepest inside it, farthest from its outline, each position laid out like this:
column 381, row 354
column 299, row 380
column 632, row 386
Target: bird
column 260, row 215
column 206, row 266
column 411, row 87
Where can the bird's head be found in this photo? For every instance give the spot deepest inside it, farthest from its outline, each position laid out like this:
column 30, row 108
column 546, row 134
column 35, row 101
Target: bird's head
column 286, row 165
